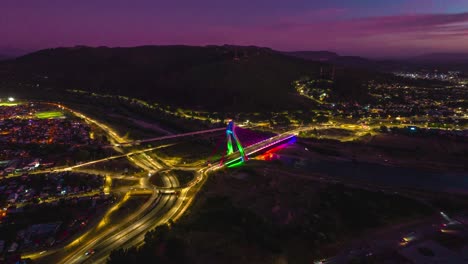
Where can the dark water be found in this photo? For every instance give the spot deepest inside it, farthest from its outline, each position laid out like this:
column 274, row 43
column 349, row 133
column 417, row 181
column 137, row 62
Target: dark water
column 383, row 175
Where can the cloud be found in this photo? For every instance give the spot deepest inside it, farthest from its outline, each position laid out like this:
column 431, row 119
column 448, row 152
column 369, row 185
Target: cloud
column 308, row 16
column 401, row 34
column 424, row 23
column 330, row 29
column 428, row 23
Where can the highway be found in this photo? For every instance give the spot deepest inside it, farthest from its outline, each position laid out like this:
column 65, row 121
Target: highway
column 113, row 135
column 129, row 233
column 158, row 210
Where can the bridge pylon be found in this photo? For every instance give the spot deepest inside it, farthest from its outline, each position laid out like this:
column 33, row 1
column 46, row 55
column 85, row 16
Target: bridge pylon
column 232, row 137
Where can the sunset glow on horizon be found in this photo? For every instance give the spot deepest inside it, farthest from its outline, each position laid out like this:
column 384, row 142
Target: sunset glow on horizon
column 365, row 28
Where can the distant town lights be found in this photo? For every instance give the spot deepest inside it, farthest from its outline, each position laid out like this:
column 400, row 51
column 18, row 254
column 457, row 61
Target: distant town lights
column 11, row 99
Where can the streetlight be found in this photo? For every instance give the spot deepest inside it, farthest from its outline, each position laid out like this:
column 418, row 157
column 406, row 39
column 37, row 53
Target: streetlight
column 11, row 99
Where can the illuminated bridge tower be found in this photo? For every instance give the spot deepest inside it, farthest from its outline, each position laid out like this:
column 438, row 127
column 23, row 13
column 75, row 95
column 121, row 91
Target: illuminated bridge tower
column 231, row 136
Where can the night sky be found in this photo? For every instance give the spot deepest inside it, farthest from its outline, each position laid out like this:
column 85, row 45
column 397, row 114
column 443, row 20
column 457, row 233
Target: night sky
column 374, row 28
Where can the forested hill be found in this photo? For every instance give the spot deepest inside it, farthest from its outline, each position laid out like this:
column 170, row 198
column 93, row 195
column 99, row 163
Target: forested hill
column 210, row 77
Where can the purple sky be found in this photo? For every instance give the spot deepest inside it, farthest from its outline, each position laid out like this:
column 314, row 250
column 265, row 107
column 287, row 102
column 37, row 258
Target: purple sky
column 375, row 28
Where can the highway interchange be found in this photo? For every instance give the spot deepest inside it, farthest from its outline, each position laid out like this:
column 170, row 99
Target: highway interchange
column 165, row 205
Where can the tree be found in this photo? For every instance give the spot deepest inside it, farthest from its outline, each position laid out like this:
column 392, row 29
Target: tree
column 322, row 119
column 157, row 235
column 176, row 251
column 82, row 155
column 118, row 256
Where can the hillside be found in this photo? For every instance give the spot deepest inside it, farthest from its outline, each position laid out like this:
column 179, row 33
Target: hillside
column 3, row 57
column 314, row 55
column 444, row 58
column 439, row 61
column 338, row 60
column 213, row 77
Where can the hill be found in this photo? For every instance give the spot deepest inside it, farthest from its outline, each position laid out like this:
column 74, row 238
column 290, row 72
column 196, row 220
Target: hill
column 314, row 55
column 216, row 78
column 3, row 57
column 220, row 78
column 355, row 62
column 334, row 58
column 439, row 61
column 441, row 58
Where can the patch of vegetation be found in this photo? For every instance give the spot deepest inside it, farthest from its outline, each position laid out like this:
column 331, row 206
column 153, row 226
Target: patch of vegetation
column 157, row 180
column 338, row 212
column 118, row 166
column 184, row 176
column 8, row 104
column 451, row 241
column 426, row 251
column 132, row 204
column 218, row 214
column 162, row 245
column 49, row 114
column 194, row 150
column 326, row 151
column 124, row 126
column 116, row 183
column 449, row 203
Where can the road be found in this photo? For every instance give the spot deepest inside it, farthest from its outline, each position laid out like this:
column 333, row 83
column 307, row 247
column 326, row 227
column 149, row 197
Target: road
column 131, row 231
